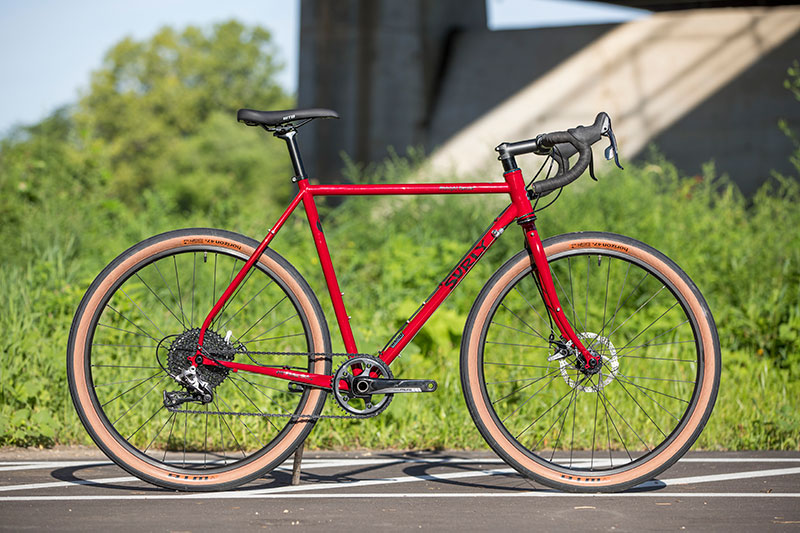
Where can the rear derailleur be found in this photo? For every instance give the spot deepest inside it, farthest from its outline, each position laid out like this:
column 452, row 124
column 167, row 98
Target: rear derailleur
column 197, row 390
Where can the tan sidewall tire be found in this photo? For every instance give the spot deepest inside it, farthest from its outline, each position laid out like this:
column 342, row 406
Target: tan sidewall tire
column 77, row 354
column 490, row 427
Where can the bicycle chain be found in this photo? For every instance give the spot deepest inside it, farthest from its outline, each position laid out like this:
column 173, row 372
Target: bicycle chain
column 278, row 415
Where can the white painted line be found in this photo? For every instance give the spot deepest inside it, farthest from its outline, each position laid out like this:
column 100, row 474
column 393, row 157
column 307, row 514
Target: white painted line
column 53, row 464
column 381, row 481
column 530, row 494
column 55, row 484
column 730, row 476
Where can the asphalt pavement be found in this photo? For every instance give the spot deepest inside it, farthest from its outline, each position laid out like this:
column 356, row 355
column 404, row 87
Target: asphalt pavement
column 78, row 489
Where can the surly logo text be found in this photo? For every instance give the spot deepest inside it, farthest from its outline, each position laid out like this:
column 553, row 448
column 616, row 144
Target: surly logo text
column 466, row 265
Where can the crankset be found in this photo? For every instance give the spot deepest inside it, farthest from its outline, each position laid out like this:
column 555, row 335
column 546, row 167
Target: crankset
column 366, row 386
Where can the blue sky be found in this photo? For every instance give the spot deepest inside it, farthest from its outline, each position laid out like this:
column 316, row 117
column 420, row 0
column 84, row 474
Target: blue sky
column 48, row 48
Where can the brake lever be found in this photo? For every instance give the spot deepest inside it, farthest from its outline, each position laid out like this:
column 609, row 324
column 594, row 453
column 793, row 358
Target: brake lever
column 612, row 150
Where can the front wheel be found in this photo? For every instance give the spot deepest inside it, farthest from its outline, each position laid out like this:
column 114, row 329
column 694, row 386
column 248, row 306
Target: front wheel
column 138, row 323
column 578, row 430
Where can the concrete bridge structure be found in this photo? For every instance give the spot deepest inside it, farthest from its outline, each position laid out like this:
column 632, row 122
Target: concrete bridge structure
column 699, row 84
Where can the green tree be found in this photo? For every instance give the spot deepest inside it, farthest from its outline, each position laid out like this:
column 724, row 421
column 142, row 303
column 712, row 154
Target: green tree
column 165, row 110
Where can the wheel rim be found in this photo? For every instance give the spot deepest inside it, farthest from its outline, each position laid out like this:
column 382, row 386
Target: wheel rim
column 647, row 386
column 127, row 363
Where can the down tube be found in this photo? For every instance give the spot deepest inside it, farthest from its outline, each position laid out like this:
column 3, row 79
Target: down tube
column 415, row 323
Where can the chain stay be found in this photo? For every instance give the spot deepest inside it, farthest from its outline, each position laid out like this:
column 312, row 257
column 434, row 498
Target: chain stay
column 278, row 415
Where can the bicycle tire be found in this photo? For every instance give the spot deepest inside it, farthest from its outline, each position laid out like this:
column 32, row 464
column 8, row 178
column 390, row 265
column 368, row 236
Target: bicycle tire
column 592, row 433
column 129, row 335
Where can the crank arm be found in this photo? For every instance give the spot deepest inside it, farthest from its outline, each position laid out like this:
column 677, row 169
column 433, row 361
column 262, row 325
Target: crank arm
column 368, row 386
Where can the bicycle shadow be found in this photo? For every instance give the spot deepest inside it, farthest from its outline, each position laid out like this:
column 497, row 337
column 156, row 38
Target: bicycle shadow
column 435, row 469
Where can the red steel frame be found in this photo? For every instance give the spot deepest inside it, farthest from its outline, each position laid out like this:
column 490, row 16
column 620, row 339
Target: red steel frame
column 520, row 208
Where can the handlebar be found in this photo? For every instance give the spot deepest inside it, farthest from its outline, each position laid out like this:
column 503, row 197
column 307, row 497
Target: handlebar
column 562, row 145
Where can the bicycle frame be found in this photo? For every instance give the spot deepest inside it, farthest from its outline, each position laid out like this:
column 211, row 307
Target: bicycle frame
column 520, row 209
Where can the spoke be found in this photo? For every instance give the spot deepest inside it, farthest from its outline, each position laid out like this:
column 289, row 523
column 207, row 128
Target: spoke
column 649, row 325
column 594, row 424
column 555, row 421
column 616, row 430
column 573, row 398
column 194, row 272
column 214, row 286
column 515, row 344
column 172, row 294
column 572, row 293
column 278, row 337
column 270, row 329
column 515, row 411
column 149, row 288
column 659, row 379
column 661, row 335
column 254, row 404
column 123, row 345
column 232, row 298
column 516, row 329
column 532, row 308
column 145, row 422
column 644, row 391
column 504, row 306
column 137, row 401
column 551, row 375
column 185, row 425
column 548, row 367
column 586, row 309
column 178, row 282
column 239, row 418
column 572, row 306
column 646, row 413
column 124, row 330
column 116, row 383
column 170, row 417
column 657, row 358
column 257, row 322
column 127, row 366
column 626, row 423
column 141, row 311
column 540, row 416
column 229, row 431
column 143, row 381
column 623, row 377
column 639, row 309
column 169, row 437
column 246, row 304
column 132, row 323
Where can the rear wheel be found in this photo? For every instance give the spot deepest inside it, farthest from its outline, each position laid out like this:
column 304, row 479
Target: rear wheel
column 140, row 320
column 592, row 431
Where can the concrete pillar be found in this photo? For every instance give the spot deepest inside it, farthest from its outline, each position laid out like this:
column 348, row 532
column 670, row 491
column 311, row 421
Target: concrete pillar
column 379, row 64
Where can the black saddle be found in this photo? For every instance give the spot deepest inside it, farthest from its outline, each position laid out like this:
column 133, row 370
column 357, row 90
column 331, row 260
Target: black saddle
column 251, row 117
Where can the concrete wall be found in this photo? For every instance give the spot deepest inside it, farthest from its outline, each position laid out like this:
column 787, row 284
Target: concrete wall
column 701, row 85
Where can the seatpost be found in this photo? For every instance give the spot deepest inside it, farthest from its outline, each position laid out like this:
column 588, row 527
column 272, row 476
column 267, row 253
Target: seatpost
column 289, row 135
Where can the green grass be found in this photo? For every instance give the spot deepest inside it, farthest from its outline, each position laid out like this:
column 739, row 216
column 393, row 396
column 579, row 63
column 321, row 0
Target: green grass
column 744, row 255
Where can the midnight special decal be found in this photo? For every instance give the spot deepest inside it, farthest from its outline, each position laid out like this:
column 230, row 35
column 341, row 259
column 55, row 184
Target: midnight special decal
column 466, row 264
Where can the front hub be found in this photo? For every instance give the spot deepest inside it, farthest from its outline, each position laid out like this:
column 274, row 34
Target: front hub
column 605, row 369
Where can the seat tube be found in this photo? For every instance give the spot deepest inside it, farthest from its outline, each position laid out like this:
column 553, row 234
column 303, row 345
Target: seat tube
column 327, row 268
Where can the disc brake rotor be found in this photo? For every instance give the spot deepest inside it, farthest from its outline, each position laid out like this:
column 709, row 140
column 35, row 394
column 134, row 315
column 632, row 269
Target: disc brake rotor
column 608, row 367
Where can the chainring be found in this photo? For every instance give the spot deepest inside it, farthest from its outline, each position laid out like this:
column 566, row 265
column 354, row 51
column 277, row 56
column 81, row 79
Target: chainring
column 355, row 404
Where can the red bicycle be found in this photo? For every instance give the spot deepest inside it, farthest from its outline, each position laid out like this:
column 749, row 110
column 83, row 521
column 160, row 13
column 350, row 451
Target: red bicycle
column 603, row 386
